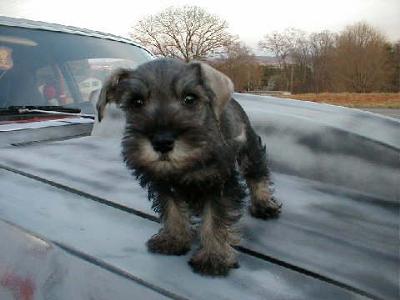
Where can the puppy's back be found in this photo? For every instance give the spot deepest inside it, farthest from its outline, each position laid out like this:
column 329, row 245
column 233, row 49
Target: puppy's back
column 234, row 122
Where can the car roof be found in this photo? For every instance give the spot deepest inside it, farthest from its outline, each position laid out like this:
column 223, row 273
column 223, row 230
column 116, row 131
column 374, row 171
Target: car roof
column 39, row 25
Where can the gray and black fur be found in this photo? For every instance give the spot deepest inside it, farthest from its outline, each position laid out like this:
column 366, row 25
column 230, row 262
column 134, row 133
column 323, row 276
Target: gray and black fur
column 189, row 144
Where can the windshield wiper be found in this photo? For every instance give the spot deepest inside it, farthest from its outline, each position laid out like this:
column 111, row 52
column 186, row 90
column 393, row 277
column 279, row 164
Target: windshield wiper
column 53, row 110
column 18, row 108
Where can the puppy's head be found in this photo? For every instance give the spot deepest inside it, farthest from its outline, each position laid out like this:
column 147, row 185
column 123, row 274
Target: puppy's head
column 172, row 113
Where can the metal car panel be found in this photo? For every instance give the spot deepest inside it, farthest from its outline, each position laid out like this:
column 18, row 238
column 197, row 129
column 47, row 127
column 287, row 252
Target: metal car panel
column 337, row 182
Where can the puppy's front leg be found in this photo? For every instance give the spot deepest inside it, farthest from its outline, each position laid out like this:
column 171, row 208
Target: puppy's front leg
column 216, row 255
column 175, row 236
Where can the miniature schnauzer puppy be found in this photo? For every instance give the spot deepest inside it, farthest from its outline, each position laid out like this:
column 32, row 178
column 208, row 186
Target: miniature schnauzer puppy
column 188, row 142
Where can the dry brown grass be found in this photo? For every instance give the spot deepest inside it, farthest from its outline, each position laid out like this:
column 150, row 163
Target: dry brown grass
column 369, row 100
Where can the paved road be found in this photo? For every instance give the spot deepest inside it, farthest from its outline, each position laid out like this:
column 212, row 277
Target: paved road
column 394, row 113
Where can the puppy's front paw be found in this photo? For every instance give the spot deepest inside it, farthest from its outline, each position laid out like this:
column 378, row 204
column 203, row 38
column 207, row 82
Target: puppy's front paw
column 211, row 264
column 265, row 209
column 164, row 243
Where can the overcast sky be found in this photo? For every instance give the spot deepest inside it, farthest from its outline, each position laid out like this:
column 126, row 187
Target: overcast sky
column 249, row 19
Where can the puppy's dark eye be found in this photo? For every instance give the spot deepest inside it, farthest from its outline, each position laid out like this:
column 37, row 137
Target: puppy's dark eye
column 190, row 99
column 137, row 102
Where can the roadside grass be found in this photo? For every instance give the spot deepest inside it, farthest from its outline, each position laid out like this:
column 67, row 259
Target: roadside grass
column 367, row 100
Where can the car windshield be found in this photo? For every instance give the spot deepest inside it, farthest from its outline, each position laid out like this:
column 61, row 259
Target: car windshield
column 45, row 68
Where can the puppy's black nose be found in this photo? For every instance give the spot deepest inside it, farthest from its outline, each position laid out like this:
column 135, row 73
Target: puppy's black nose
column 163, row 142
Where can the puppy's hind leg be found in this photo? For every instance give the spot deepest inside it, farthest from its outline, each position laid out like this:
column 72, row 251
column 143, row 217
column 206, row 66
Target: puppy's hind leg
column 175, row 237
column 254, row 168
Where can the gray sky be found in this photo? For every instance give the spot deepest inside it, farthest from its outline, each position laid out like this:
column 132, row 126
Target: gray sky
column 249, row 19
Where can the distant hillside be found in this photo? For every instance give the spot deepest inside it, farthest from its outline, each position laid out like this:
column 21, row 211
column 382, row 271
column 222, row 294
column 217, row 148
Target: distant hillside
column 260, row 59
column 267, row 60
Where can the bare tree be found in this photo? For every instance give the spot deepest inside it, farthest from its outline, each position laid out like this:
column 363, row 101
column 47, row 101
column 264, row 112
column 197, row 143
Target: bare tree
column 282, row 46
column 361, row 59
column 395, row 63
column 322, row 50
column 240, row 64
column 300, row 67
column 188, row 32
column 279, row 44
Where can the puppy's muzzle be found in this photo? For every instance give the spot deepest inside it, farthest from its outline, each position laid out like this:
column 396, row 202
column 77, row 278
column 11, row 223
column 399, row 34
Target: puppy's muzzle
column 163, row 142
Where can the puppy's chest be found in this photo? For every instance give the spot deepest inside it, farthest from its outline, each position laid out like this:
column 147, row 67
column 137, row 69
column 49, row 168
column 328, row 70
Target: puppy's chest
column 195, row 196
column 202, row 176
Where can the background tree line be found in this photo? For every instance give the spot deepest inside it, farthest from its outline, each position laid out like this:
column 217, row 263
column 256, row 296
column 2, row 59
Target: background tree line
column 358, row 59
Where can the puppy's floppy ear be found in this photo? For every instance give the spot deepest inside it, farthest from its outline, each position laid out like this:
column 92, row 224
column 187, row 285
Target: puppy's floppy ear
column 109, row 89
column 220, row 85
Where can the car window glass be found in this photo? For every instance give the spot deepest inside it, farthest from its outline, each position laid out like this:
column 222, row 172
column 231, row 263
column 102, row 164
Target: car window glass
column 53, row 87
column 89, row 74
column 39, row 67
